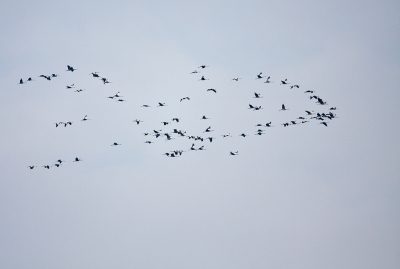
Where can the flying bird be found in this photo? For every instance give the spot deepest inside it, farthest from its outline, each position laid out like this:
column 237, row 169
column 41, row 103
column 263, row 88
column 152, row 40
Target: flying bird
column 234, row 153
column 212, row 90
column 70, row 68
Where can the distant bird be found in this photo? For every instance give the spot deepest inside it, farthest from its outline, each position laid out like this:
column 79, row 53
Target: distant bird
column 30, row 79
column 70, row 68
column 268, row 80
column 165, row 122
column 234, row 153
column 148, row 142
column 85, row 118
column 77, row 159
column 46, row 77
column 31, row 167
column 293, row 122
column 309, row 112
column 137, row 121
column 118, row 95
column 54, row 75
column 161, row 104
column 203, row 78
column 146, row 106
column 259, row 133
column 324, row 123
column 333, row 108
column 80, row 90
column 268, row 125
column 121, row 100
column 194, row 72
column 285, row 124
column 208, row 130
column 66, row 123
column 260, row 76
column 145, row 134
column 94, row 74
column 204, row 118
column 46, row 166
column 193, row 147
column 201, row 148
column 115, row 144
column 175, row 119
column 251, row 106
column 187, row 98
column 244, row 135
column 283, row 107
column 212, row 90
column 226, row 135
column 203, row 66
column 257, row 95
column 293, row 86
column 60, row 161
column 58, row 123
column 210, row 138
column 105, row 80
column 257, row 108
column 321, row 102
column 57, row 164
column 309, row 91
column 236, row 79
column 70, row 86
column 283, row 82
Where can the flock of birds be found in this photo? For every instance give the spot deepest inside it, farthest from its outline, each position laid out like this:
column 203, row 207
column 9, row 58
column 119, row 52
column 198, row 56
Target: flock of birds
column 322, row 117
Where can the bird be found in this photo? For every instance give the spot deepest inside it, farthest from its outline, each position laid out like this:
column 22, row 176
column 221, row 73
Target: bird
column 94, row 74
column 187, row 98
column 21, row 81
column 115, row 144
column 259, row 133
column 66, row 123
column 85, row 118
column 208, row 130
column 293, row 86
column 251, row 106
column 77, row 159
column 257, row 95
column 236, row 79
column 244, row 135
column 212, row 90
column 203, row 66
column 309, row 91
column 333, row 108
column 176, row 119
column 283, row 82
column 161, row 104
column 145, row 134
column 70, row 68
column 58, row 123
column 260, row 76
column 193, row 147
column 268, row 125
column 165, row 122
column 283, row 107
column 80, row 90
column 210, row 138
column 46, row 166
column 30, row 79
column 204, row 118
column 257, row 108
column 321, row 102
column 60, row 161
column 201, row 148
column 226, row 135
column 146, row 106
column 203, row 78
column 234, row 153
column 309, row 112
column 194, row 72
column 46, row 77
column 148, row 142
column 268, row 80
column 70, row 86
column 324, row 123
column 105, row 80
column 118, row 95
column 57, row 164
column 54, row 75
column 285, row 124
column 31, row 167
column 137, row 121
column 121, row 100
column 293, row 122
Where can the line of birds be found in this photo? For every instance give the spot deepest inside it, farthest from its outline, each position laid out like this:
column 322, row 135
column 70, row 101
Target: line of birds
column 58, row 163
column 168, row 135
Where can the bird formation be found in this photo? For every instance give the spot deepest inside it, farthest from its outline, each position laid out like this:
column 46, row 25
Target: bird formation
column 309, row 115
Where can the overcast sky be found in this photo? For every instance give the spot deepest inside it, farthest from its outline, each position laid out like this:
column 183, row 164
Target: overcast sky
column 302, row 196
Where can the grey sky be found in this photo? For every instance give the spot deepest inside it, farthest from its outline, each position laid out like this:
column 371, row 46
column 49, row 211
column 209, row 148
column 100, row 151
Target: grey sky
column 305, row 196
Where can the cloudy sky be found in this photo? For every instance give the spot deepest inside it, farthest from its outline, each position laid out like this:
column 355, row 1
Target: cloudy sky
column 302, row 196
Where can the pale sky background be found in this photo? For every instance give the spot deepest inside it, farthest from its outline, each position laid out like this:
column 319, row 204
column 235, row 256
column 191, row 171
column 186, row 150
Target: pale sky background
column 305, row 196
